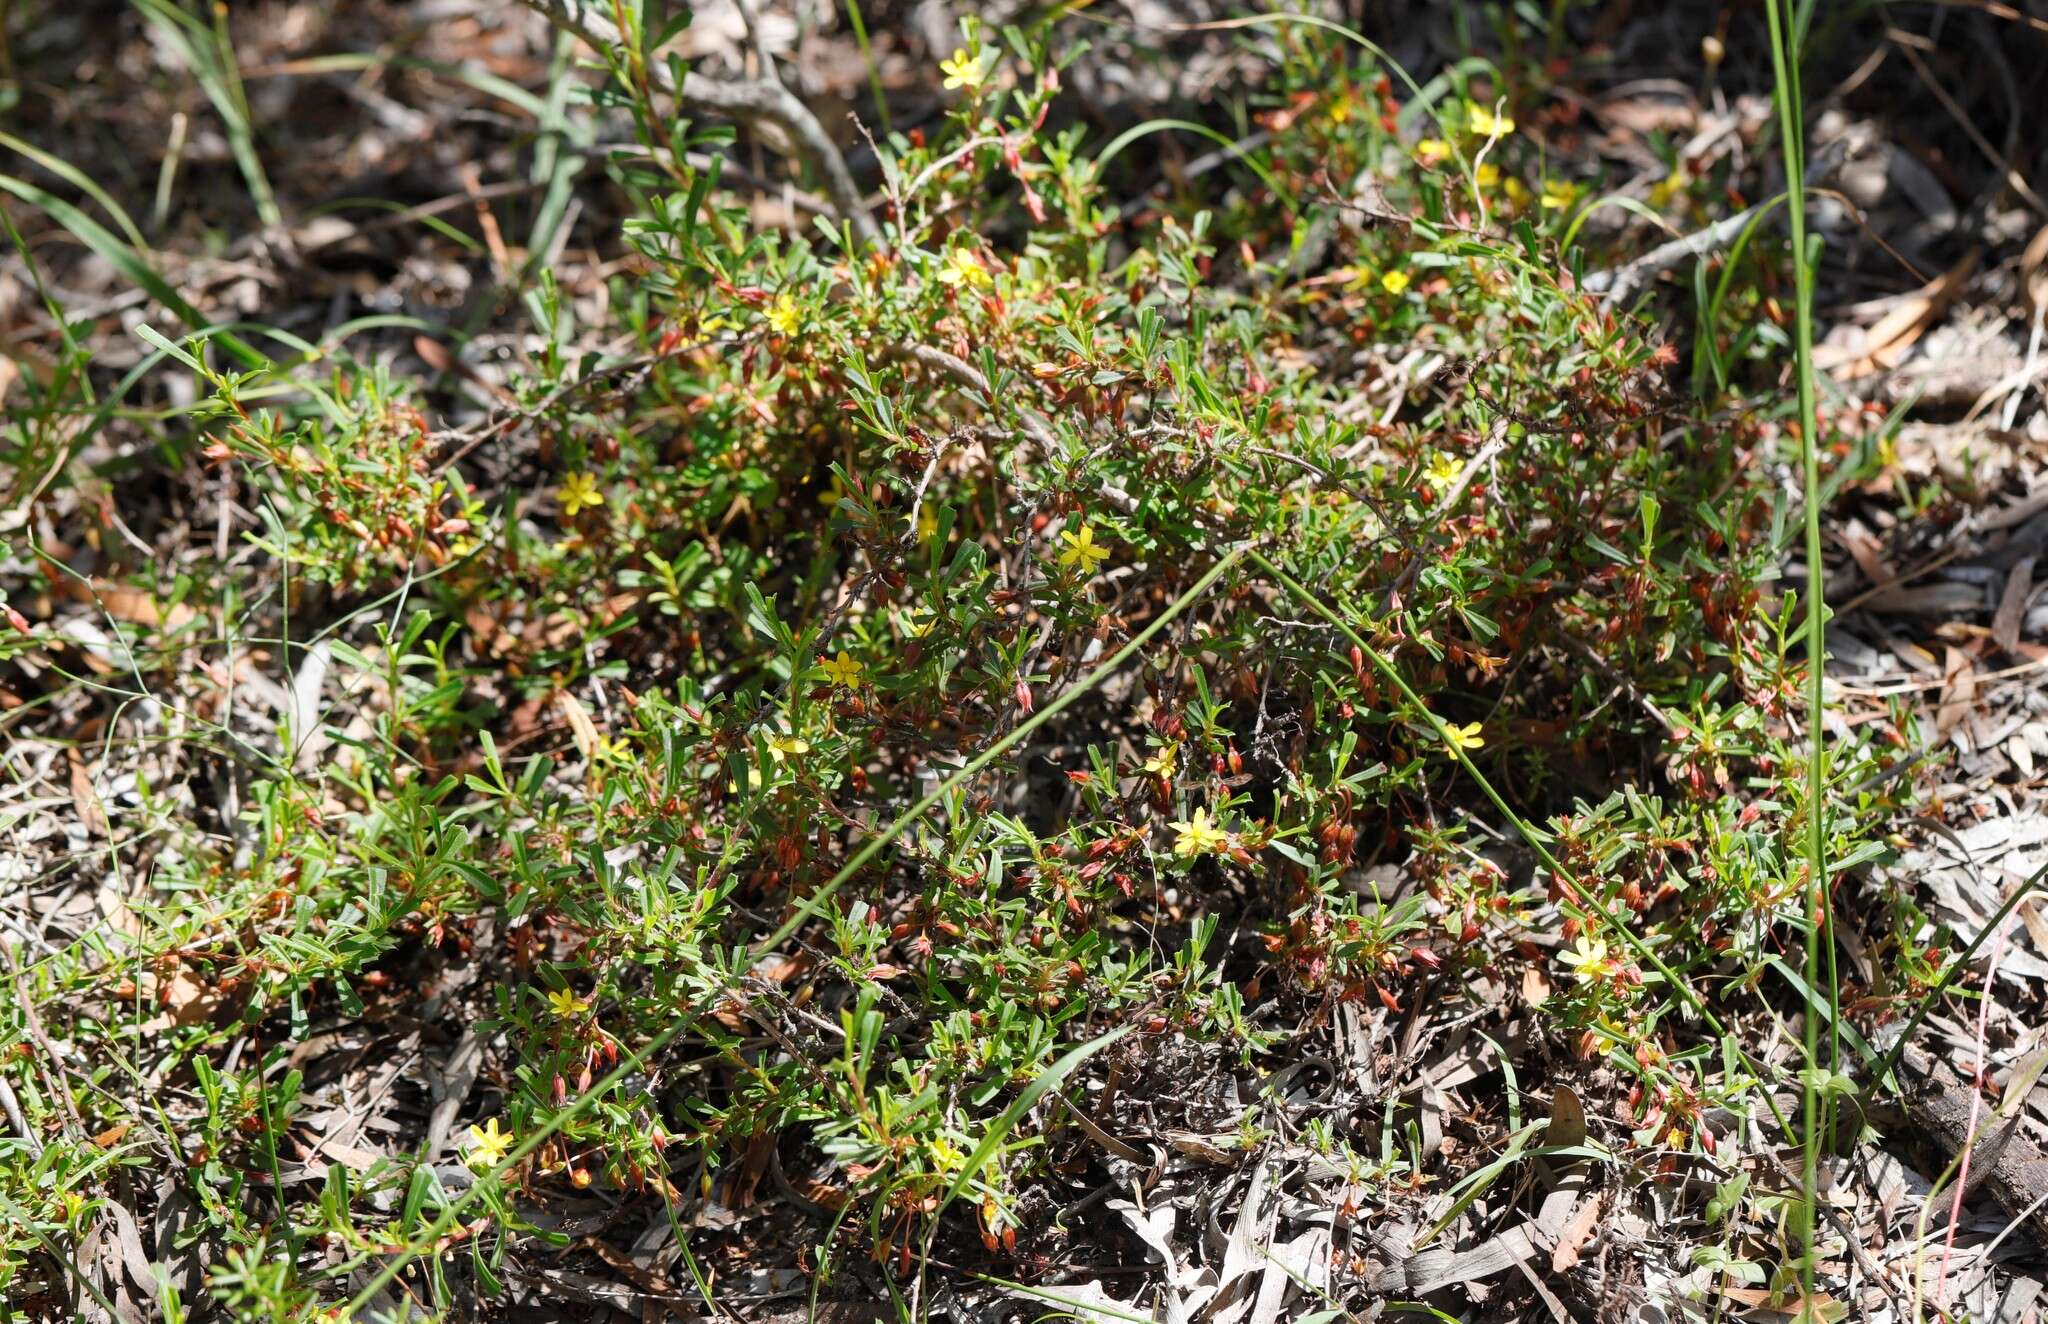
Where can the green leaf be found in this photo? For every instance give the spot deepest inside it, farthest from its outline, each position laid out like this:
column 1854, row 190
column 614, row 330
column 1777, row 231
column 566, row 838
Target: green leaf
column 123, row 259
column 1003, row 1125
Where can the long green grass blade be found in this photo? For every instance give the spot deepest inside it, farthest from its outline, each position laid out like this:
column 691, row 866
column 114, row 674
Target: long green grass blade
column 1819, row 935
column 124, row 259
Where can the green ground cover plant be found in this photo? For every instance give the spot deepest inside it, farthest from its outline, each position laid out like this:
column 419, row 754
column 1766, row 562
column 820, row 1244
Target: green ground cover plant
column 941, row 669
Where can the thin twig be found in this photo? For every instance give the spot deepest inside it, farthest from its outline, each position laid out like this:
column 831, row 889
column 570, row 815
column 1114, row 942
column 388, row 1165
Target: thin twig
column 1623, row 282
column 767, row 102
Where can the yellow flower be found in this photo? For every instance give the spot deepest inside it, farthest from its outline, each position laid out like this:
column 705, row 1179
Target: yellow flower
column 1163, row 759
column 1082, row 549
column 565, row 1004
column 1487, row 175
column 1198, row 836
column 946, row 1156
column 785, row 315
column 579, row 492
column 1463, row 737
column 781, row 747
column 963, row 70
column 1443, row 470
column 927, row 524
column 1432, row 151
column 1588, row 960
column 1517, row 191
column 918, row 625
column 1394, row 282
column 488, row 1145
column 963, row 269
column 1669, row 187
column 843, row 671
column 1558, row 194
column 1482, row 121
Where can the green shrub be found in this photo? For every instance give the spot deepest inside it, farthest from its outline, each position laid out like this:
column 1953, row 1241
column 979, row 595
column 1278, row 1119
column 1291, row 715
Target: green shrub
column 844, row 516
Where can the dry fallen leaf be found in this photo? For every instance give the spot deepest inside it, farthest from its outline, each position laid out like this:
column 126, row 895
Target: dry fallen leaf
column 581, row 729
column 124, row 603
column 1958, row 691
column 1887, row 341
column 189, row 1001
column 1574, row 1236
column 1567, row 1119
column 2012, row 605
column 86, row 800
column 2033, row 277
column 1869, row 557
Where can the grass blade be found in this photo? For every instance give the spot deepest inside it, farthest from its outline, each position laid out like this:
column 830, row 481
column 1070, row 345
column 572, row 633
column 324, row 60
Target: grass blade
column 1004, row 1124
column 1819, row 932
column 124, row 259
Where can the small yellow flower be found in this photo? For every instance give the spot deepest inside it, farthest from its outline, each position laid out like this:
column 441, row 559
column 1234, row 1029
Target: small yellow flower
column 1588, row 960
column 611, row 749
column 1339, row 110
column 785, row 315
column 1432, row 151
column 963, row 270
column 781, row 747
column 919, row 624
column 1082, row 549
column 1394, row 282
column 565, row 1004
column 1463, row 737
column 1517, row 191
column 927, row 524
column 946, row 1156
column 844, row 670
column 579, row 492
column 1558, row 194
column 1673, row 184
column 1443, row 470
column 1482, row 121
column 1487, row 175
column 488, row 1145
column 1163, row 759
column 1198, row 836
column 963, row 70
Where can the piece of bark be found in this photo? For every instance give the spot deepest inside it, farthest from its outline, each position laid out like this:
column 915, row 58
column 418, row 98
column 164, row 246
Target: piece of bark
column 2005, row 1163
